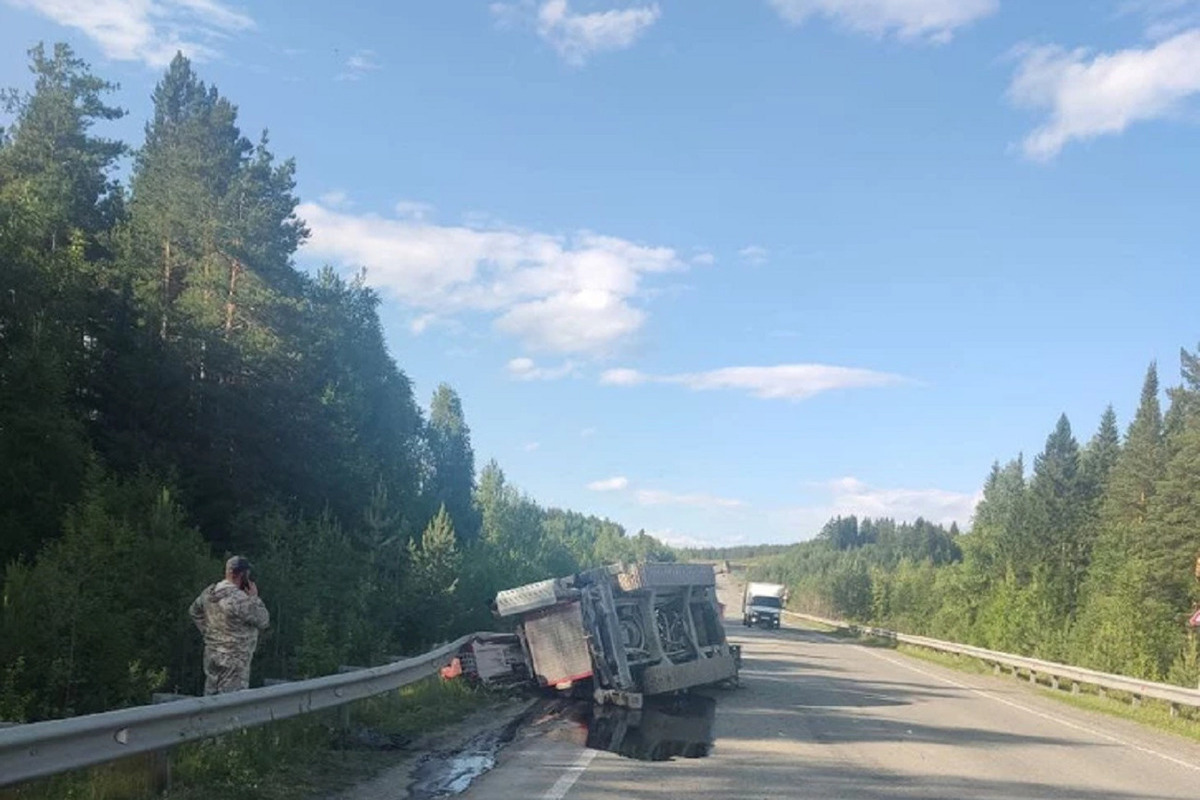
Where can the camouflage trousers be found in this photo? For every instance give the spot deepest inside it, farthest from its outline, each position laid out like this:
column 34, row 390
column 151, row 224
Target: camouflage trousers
column 225, row 671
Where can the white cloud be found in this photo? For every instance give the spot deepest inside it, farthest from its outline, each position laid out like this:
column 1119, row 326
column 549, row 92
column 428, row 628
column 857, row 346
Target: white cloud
column 1164, row 18
column 753, row 254
column 150, row 31
column 672, row 538
column 531, row 446
column 422, row 323
column 622, row 377
column 704, row 259
column 569, row 322
column 587, row 433
column 616, row 484
column 413, row 209
column 785, row 381
column 1090, row 95
column 359, row 65
column 657, row 497
column 575, row 294
column 526, row 369
column 852, row 496
column 336, row 198
column 576, row 37
column 929, row 20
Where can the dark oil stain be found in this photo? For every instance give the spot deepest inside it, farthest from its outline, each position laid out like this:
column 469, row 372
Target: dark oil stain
column 449, row 773
column 662, row 730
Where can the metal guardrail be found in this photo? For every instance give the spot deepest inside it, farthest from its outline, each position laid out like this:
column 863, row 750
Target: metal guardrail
column 1176, row 696
column 46, row 748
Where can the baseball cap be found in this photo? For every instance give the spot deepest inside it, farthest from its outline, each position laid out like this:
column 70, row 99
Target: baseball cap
column 238, row 564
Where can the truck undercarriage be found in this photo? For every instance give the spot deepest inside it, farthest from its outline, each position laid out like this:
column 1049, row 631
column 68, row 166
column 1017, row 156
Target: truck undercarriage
column 630, row 631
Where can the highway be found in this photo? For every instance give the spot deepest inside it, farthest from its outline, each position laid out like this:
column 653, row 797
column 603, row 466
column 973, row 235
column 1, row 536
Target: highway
column 817, row 717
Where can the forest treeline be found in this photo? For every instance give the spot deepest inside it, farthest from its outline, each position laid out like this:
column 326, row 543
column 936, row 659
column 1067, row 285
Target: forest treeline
column 174, row 390
column 740, row 552
column 1088, row 558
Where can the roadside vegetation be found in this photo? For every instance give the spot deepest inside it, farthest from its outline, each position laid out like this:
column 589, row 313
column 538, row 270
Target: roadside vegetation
column 1088, row 559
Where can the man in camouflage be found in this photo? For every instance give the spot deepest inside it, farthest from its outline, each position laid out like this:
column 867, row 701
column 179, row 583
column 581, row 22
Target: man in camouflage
column 229, row 614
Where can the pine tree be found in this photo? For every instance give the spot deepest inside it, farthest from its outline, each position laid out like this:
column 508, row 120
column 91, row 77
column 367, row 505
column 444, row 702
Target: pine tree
column 54, row 174
column 57, row 203
column 259, row 234
column 453, row 461
column 433, row 578
column 998, row 530
column 1133, row 476
column 1185, row 399
column 191, row 158
column 1109, row 605
column 1058, row 543
column 1098, row 458
column 1173, row 543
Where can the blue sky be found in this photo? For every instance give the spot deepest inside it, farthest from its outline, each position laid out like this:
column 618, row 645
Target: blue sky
column 720, row 270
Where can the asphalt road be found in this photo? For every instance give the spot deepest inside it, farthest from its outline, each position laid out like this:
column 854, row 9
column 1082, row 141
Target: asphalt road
column 817, row 717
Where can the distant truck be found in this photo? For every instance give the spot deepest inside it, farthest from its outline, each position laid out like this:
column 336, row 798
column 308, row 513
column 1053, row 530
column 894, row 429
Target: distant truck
column 762, row 604
column 622, row 631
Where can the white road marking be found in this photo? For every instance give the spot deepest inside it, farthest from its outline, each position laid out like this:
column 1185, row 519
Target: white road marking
column 565, row 781
column 1051, row 717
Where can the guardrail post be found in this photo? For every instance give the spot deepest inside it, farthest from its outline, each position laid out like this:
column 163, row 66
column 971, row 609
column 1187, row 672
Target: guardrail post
column 1136, row 701
column 996, row 670
column 160, row 772
column 1032, row 676
column 1074, row 687
column 160, row 760
column 1174, row 709
column 1053, row 681
column 1100, row 690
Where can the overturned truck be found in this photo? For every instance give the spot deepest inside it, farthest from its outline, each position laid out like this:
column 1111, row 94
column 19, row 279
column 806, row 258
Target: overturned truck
column 625, row 631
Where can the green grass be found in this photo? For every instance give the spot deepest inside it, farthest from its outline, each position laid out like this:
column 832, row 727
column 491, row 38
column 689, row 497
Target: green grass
column 307, row 756
column 1152, row 713
column 821, row 627
column 952, row 660
column 847, row 633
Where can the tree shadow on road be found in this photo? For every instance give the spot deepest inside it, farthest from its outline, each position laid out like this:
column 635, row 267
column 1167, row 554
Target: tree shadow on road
column 609, row 780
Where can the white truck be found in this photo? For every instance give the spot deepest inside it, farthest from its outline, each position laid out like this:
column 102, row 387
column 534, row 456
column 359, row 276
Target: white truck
column 762, row 604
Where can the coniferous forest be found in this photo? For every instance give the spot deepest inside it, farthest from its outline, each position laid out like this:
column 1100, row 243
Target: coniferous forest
column 1088, row 558
column 173, row 390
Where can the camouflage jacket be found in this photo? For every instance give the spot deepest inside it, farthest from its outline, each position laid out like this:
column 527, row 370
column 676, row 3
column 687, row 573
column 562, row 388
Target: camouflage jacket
column 229, row 618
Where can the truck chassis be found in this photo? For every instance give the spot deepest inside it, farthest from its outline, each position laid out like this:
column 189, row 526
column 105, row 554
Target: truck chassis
column 647, row 629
